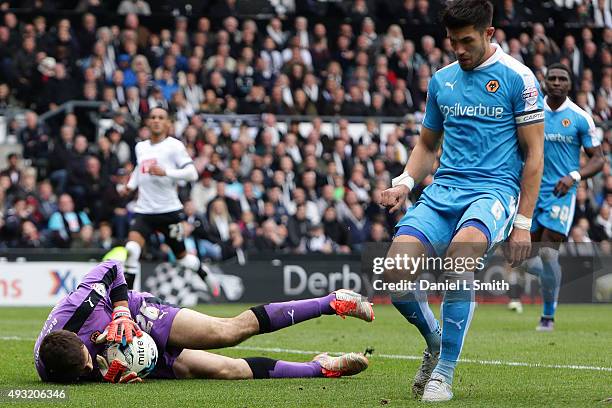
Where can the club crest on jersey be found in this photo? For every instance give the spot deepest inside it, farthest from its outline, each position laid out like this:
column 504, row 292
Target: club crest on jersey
column 566, row 122
column 492, row 86
column 94, row 336
column 530, row 95
column 147, row 164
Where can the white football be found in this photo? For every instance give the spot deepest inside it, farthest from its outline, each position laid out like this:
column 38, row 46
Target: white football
column 140, row 355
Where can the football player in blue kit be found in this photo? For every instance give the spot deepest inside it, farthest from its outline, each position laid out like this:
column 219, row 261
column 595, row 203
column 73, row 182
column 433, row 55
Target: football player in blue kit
column 489, row 108
column 568, row 128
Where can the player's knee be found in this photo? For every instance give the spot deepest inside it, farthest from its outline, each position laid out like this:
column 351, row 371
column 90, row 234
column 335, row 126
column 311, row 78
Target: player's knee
column 235, row 331
column 469, row 243
column 136, row 237
column 403, row 247
column 134, row 250
column 549, row 254
column 190, row 262
column 234, row 369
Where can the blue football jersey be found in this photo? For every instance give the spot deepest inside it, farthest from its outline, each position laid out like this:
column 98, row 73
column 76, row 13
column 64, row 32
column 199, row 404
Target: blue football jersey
column 567, row 129
column 479, row 112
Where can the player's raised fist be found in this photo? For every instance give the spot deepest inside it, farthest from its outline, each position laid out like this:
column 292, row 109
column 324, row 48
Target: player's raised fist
column 394, row 197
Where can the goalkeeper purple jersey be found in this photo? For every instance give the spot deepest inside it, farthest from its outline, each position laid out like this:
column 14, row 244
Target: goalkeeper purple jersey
column 86, row 311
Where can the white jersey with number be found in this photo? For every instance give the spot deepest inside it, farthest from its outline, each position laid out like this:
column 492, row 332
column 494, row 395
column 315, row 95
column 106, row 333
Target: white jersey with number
column 158, row 194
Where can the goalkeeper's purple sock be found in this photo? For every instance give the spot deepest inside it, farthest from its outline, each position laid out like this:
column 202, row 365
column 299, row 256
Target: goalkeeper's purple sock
column 263, row 367
column 275, row 316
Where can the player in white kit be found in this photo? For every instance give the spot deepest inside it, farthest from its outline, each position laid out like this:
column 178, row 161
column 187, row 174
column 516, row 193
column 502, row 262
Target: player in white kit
column 162, row 161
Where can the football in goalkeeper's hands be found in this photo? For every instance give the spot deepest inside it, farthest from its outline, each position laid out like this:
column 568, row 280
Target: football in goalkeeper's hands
column 140, row 355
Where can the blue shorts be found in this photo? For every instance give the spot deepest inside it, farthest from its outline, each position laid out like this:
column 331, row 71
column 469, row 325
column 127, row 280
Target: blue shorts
column 442, row 211
column 554, row 213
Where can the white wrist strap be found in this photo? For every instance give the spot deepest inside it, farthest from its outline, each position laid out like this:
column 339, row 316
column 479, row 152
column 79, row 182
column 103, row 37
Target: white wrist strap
column 403, row 179
column 522, row 222
column 576, row 176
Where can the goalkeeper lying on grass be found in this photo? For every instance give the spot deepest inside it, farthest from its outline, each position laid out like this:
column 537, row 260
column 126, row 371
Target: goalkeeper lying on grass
column 101, row 310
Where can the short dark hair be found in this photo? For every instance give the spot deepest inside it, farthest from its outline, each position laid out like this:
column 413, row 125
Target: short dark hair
column 464, row 13
column 558, row 65
column 162, row 107
column 61, row 352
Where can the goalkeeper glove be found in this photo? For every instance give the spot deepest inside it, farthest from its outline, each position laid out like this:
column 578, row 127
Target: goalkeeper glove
column 117, row 372
column 121, row 324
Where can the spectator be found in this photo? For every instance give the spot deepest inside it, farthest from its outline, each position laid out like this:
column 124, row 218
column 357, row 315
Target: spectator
column 269, row 167
column 66, row 224
column 30, row 236
column 272, row 237
column 35, row 140
column 317, row 241
column 134, row 6
column 359, row 227
column 105, row 239
column 12, row 171
column 77, row 171
column 116, row 203
column 298, row 226
column 336, row 230
column 204, row 192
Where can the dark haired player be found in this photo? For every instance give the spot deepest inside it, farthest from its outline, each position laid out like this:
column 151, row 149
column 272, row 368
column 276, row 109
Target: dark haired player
column 489, row 108
column 161, row 163
column 101, row 309
column 568, row 128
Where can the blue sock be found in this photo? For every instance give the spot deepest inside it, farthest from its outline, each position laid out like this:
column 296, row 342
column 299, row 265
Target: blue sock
column 457, row 312
column 533, row 266
column 414, row 307
column 550, row 281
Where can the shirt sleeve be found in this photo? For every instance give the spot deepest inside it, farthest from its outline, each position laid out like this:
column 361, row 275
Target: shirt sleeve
column 132, row 183
column 527, row 101
column 181, row 157
column 110, row 275
column 587, row 132
column 433, row 118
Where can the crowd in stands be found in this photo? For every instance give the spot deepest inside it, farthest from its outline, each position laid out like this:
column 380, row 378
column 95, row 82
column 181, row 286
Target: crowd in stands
column 262, row 190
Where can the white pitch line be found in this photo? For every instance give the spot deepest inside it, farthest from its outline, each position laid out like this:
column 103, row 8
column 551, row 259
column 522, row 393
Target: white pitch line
column 16, row 338
column 463, row 360
column 394, row 357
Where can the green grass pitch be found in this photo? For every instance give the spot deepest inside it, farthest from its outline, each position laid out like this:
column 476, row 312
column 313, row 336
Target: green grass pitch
column 583, row 337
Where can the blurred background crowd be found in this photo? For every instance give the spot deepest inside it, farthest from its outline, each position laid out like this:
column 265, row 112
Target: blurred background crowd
column 308, row 182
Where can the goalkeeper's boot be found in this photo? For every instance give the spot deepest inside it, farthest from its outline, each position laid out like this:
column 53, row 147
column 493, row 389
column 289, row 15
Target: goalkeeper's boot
column 349, row 303
column 430, row 360
column 547, row 324
column 346, row 364
column 437, row 389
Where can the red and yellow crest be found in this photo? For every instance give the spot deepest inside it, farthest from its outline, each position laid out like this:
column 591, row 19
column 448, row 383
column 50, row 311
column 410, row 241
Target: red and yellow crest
column 566, row 122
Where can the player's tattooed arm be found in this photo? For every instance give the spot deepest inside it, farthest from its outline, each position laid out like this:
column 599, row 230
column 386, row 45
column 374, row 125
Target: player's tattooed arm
column 531, row 140
column 419, row 166
column 424, row 154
